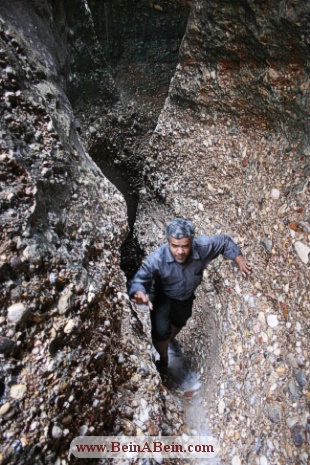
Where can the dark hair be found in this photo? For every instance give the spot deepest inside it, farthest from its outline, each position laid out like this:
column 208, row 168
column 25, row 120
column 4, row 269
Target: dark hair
column 179, row 228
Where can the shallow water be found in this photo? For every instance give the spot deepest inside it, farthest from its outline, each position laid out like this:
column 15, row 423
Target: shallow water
column 185, row 383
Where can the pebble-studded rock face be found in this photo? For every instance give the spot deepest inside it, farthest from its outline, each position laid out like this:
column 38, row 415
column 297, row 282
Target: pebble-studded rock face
column 75, row 357
column 229, row 155
column 229, row 152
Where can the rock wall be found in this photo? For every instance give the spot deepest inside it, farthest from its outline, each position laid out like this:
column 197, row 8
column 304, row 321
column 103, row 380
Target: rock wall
column 75, row 356
column 231, row 153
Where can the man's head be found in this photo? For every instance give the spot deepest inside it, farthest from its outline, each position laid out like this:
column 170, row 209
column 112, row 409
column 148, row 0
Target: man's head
column 180, row 234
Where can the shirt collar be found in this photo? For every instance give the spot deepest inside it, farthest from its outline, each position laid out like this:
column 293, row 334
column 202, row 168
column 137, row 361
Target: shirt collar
column 169, row 257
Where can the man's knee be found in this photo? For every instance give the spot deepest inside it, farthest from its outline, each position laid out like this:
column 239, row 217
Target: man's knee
column 160, row 318
column 160, row 331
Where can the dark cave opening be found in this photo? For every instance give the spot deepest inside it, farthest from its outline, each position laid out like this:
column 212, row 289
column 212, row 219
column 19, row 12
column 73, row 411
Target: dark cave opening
column 121, row 177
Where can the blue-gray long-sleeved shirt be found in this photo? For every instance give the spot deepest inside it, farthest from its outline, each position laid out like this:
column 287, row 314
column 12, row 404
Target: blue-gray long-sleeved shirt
column 179, row 281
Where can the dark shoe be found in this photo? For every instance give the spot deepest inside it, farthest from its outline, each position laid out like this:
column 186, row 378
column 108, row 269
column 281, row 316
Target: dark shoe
column 162, row 367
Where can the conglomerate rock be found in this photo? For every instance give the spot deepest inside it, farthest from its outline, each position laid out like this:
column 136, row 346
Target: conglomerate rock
column 231, row 153
column 75, row 357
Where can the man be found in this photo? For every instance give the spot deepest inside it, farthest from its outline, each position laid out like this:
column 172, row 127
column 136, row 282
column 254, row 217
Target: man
column 171, row 275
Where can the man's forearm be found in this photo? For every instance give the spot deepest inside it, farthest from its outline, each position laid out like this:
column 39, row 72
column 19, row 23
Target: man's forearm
column 142, row 280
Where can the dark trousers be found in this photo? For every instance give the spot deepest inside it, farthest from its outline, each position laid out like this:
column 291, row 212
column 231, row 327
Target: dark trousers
column 167, row 312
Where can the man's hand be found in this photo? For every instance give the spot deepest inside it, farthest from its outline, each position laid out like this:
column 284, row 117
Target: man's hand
column 244, row 266
column 142, row 299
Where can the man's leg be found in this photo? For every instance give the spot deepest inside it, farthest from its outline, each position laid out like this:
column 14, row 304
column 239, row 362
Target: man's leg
column 162, row 349
column 181, row 311
column 160, row 320
column 174, row 332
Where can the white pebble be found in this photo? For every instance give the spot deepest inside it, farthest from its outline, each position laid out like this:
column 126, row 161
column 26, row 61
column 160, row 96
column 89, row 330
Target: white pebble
column 275, row 194
column 264, row 337
column 69, row 326
column 221, row 407
column 16, row 312
column 272, row 321
column 83, row 430
column 17, row 391
column 236, row 460
column 303, row 251
column 56, row 432
column 263, row 460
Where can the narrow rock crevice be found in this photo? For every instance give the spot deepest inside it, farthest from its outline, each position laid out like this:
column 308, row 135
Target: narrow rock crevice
column 137, row 44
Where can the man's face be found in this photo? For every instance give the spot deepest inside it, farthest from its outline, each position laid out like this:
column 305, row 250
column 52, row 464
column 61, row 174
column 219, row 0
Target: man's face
column 180, row 248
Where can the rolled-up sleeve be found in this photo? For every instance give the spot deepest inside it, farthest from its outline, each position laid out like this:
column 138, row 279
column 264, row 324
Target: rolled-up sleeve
column 143, row 278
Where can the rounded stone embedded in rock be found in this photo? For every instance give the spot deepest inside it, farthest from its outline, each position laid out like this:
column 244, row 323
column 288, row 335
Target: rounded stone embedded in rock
column 236, row 460
column 16, row 313
column 57, row 432
column 267, row 244
column 291, row 360
column 83, row 430
column 64, row 302
column 6, row 345
column 302, row 251
column 4, row 409
column 272, row 321
column 263, row 460
column 145, row 369
column 249, row 324
column 293, row 388
column 275, row 194
column 221, row 407
column 69, row 326
column 298, row 435
column 275, row 413
column 301, row 378
column 18, row 391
